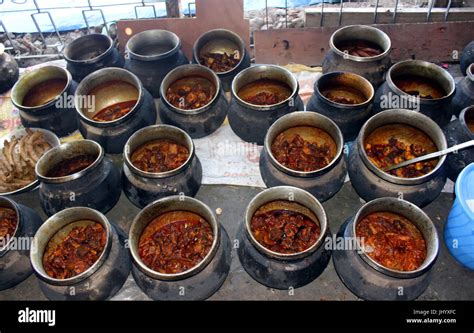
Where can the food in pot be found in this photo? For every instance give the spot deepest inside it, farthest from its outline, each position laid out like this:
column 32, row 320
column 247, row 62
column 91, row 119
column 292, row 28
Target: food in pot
column 44, row 92
column 470, row 120
column 71, row 166
column 220, row 62
column 304, row 148
column 191, row 92
column 393, row 144
column 77, row 251
column 344, row 95
column 115, row 111
column 360, row 48
column 265, row 92
column 8, row 222
column 285, row 227
column 18, row 160
column 159, row 156
column 419, row 86
column 392, row 240
column 175, row 242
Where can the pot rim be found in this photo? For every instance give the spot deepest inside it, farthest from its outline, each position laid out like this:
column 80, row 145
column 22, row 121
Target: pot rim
column 402, row 205
column 462, row 119
column 127, row 152
column 59, row 150
column 37, row 264
column 367, row 102
column 270, row 136
column 242, row 51
column 104, row 71
column 158, row 56
column 383, row 35
column 83, row 38
column 197, row 67
column 24, row 77
column 421, row 63
column 404, row 117
column 470, row 72
column 264, row 68
column 9, row 203
column 135, row 228
column 316, row 207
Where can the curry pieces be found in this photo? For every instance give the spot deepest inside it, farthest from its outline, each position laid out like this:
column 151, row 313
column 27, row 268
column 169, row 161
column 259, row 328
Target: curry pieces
column 191, row 92
column 159, row 156
column 220, row 62
column 8, row 223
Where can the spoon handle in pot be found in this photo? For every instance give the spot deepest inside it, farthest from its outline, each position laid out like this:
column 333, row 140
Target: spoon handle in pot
column 430, row 156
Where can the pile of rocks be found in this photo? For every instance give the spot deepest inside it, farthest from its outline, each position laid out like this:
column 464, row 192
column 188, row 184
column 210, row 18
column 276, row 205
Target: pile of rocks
column 278, row 18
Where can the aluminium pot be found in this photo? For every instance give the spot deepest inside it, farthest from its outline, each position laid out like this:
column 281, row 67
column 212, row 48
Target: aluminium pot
column 251, row 122
column 280, row 270
column 106, row 87
column 15, row 251
column 322, row 183
column 97, row 186
column 467, row 57
column 56, row 115
column 142, row 187
column 372, row 183
column 198, row 122
column 372, row 68
column 151, row 55
column 464, row 95
column 456, row 133
column 349, row 117
column 89, row 53
column 220, row 41
column 9, row 71
column 100, row 281
column 389, row 96
column 197, row 283
column 368, row 279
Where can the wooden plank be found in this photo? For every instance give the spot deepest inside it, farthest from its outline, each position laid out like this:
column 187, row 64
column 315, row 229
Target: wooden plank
column 427, row 41
column 210, row 14
column 384, row 16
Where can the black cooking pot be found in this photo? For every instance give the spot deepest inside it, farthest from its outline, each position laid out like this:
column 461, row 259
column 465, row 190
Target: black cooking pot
column 464, row 95
column 372, row 68
column 251, row 122
column 371, row 183
column 97, row 186
column 15, row 250
column 467, row 57
column 272, row 269
column 322, row 183
column 457, row 132
column 89, row 53
column 103, row 279
column 196, row 122
column 349, row 117
column 9, row 71
column 151, row 55
column 107, row 87
column 56, row 111
column 197, row 283
column 367, row 278
column 220, row 41
column 390, row 96
column 143, row 187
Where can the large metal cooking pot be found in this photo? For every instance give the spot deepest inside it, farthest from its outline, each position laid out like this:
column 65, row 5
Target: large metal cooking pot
column 89, row 53
column 143, row 187
column 322, row 183
column 103, row 279
column 271, row 268
column 371, row 182
column 151, row 55
column 437, row 109
column 368, row 279
column 464, row 95
column 372, row 68
column 197, row 283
